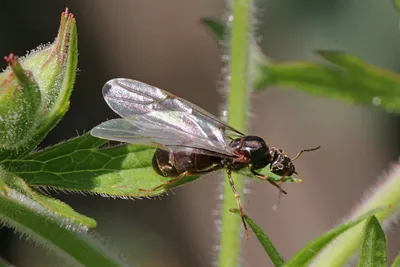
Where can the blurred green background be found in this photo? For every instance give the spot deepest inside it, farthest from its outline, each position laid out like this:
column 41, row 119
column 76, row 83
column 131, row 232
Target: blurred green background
column 163, row 43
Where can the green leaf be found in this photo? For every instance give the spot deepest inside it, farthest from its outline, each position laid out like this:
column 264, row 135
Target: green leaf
column 348, row 243
column 80, row 165
column 19, row 209
column 61, row 210
column 3, row 187
column 268, row 246
column 272, row 176
column 83, row 165
column 347, row 78
column 215, row 26
column 373, row 250
column 310, row 251
column 396, row 262
column 350, row 80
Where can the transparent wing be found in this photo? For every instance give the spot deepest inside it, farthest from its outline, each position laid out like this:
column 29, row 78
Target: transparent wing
column 154, row 116
column 123, row 130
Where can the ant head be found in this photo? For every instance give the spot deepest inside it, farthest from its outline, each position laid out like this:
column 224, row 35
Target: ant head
column 282, row 164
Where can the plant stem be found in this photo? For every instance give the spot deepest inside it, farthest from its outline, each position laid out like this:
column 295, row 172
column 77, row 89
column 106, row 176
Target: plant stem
column 239, row 83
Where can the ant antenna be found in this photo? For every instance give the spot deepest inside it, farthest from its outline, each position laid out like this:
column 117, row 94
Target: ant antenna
column 305, row 150
column 278, row 186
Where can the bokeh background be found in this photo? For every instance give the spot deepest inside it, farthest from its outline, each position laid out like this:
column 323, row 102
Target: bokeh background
column 163, row 43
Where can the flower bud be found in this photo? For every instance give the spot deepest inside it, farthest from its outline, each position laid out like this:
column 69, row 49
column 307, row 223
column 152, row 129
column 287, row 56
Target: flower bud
column 35, row 90
column 20, row 101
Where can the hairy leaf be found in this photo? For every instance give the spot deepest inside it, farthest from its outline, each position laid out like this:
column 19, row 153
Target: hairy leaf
column 344, row 77
column 311, row 250
column 30, row 214
column 396, row 262
column 373, row 250
column 350, row 80
column 55, row 208
column 268, row 246
column 81, row 165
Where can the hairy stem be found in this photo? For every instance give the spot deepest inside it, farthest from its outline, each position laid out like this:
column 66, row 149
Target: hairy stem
column 238, row 83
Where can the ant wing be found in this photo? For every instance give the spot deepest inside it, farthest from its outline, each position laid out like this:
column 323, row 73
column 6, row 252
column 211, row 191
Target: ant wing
column 150, row 133
column 162, row 118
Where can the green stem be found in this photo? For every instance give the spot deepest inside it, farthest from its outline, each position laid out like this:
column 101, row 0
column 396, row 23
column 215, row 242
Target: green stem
column 237, row 117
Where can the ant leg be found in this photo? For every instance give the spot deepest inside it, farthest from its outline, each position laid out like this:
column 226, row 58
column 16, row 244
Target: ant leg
column 281, row 181
column 186, row 173
column 266, row 178
column 241, row 143
column 278, row 199
column 171, row 181
column 278, row 185
column 239, row 202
